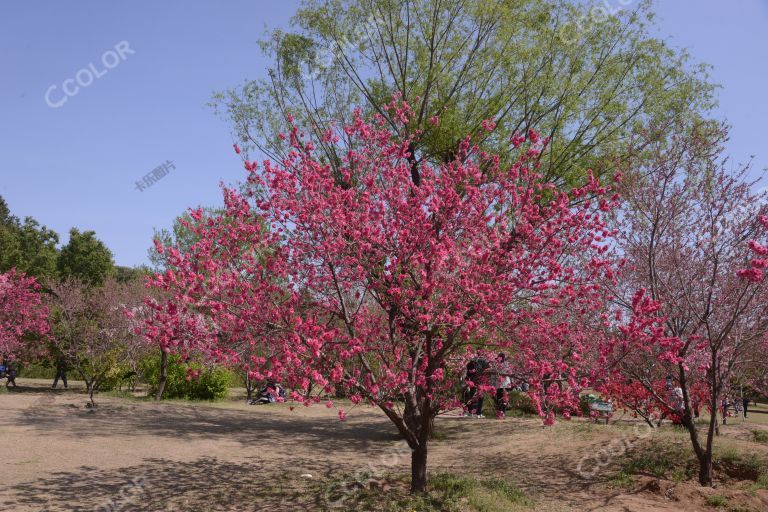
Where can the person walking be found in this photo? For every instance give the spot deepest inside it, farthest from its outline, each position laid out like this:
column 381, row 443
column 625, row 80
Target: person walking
column 11, row 370
column 61, row 373
column 10, row 373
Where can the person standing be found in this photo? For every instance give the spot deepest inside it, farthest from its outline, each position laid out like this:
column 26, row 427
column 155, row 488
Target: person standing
column 503, row 383
column 745, row 403
column 61, row 373
column 11, row 370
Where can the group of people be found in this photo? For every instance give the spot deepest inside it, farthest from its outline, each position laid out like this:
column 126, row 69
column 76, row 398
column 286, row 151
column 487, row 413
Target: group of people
column 739, row 406
column 727, row 404
column 480, row 374
column 8, row 371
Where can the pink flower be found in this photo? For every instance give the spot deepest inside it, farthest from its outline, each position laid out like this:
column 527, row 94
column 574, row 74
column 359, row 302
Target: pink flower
column 488, row 125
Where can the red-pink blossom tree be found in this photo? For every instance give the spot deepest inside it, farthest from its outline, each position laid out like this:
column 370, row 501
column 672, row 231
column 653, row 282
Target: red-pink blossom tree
column 684, row 232
column 23, row 316
column 756, row 378
column 375, row 277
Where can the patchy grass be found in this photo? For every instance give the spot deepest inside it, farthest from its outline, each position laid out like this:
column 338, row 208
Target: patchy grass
column 676, row 462
column 447, row 493
column 760, row 436
column 716, row 501
column 736, row 464
column 761, row 483
column 622, row 480
column 660, row 459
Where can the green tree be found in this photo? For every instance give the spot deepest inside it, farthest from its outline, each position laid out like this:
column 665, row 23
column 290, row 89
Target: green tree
column 130, row 274
column 28, row 246
column 85, row 257
column 584, row 77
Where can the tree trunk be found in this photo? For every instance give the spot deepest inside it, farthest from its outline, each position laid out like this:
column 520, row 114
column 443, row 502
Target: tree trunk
column 248, row 388
column 419, row 469
column 705, row 469
column 163, row 375
column 418, row 418
column 90, row 387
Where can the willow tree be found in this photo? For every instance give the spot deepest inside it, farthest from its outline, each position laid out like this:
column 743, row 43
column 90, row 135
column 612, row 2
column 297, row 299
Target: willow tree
column 585, row 76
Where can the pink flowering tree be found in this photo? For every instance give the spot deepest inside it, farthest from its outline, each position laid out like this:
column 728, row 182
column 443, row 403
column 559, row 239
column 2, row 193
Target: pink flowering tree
column 168, row 327
column 23, row 316
column 685, row 226
column 756, row 379
column 374, row 277
column 92, row 329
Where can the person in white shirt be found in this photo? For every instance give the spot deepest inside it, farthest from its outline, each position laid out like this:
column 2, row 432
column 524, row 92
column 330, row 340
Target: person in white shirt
column 503, row 383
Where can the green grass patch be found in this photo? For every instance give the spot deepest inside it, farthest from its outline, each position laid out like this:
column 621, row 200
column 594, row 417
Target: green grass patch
column 761, row 483
column 447, row 493
column 675, row 461
column 659, row 459
column 760, row 436
column 622, row 480
column 716, row 501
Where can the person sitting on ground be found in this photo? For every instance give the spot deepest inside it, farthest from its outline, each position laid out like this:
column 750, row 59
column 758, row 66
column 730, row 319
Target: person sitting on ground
column 271, row 393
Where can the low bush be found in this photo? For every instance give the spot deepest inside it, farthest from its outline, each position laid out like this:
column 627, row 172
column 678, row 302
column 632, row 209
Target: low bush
column 211, row 384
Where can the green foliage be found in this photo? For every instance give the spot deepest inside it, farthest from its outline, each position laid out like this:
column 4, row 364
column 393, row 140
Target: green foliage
column 85, row 257
column 447, row 493
column 622, row 480
column 212, row 384
column 760, row 436
column 26, row 246
column 43, row 370
column 587, row 81
column 716, row 501
column 521, row 403
column 659, row 460
column 128, row 274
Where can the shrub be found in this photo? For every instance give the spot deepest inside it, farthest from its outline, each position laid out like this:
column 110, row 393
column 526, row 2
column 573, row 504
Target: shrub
column 717, row 501
column 211, row 384
column 37, row 371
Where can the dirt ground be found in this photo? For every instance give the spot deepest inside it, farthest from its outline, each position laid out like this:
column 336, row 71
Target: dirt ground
column 130, row 455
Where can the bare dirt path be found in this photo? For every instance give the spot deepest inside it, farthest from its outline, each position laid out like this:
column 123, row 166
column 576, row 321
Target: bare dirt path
column 132, row 455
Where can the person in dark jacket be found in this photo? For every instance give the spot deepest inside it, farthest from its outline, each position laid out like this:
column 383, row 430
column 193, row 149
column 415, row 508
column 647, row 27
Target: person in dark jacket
column 10, row 373
column 61, row 373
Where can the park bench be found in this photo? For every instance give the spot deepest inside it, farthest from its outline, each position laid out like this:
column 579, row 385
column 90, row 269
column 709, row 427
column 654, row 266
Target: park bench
column 600, row 409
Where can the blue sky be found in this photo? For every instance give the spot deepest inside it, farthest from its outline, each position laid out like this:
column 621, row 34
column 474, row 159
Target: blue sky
column 76, row 165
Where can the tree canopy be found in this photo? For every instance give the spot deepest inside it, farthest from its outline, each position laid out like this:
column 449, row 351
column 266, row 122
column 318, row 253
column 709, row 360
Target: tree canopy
column 586, row 79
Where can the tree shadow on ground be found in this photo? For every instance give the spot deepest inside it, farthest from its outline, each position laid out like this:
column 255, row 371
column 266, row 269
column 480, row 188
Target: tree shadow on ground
column 206, row 484
column 188, row 422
